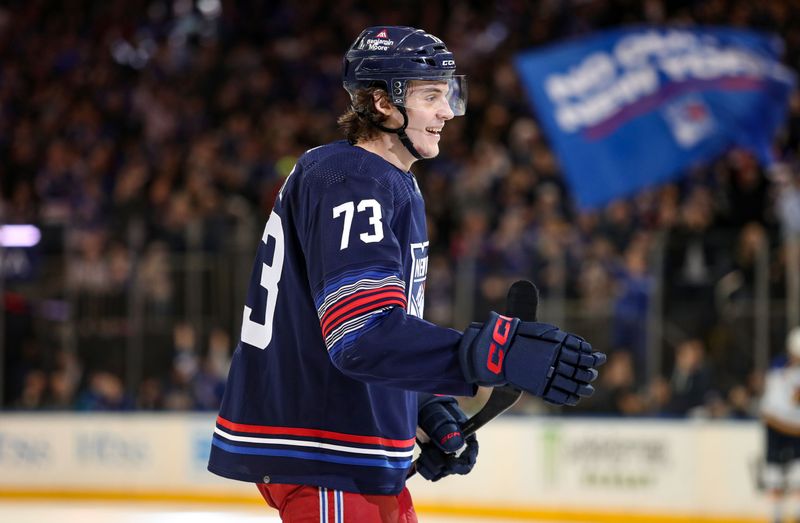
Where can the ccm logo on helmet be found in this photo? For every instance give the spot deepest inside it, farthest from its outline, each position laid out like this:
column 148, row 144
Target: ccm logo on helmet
column 448, row 62
column 499, row 337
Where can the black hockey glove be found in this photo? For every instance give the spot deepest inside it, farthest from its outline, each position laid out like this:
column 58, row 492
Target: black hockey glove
column 536, row 357
column 447, row 452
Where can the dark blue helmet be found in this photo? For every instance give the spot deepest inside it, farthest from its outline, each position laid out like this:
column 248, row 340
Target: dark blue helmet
column 390, row 56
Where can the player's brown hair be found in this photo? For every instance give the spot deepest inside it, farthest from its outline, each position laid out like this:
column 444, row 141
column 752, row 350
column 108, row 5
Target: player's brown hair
column 356, row 122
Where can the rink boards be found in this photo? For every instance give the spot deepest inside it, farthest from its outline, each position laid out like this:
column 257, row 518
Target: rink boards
column 528, row 468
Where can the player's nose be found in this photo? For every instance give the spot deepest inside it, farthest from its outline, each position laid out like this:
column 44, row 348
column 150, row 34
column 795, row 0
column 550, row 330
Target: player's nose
column 445, row 112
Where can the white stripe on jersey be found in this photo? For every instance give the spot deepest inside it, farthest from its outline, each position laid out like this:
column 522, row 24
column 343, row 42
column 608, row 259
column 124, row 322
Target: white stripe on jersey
column 350, row 326
column 339, row 506
column 360, row 285
column 323, row 505
column 317, row 444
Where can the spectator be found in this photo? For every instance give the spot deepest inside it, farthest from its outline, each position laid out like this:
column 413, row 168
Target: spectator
column 34, row 390
column 691, row 380
column 631, row 308
column 104, row 392
column 616, row 392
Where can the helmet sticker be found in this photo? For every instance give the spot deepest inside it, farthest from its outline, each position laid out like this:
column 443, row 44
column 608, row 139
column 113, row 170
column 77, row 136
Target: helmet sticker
column 376, row 44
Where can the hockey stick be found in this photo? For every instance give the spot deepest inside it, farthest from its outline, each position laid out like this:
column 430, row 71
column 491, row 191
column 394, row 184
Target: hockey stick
column 522, row 302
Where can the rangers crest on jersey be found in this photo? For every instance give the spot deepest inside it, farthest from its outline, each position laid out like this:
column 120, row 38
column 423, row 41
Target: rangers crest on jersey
column 419, row 271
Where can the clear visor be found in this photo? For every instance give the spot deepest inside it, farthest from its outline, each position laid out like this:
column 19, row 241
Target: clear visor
column 437, row 94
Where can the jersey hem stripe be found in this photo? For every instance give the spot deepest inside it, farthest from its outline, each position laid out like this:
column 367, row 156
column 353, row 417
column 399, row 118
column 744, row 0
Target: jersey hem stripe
column 315, row 433
column 313, row 444
column 330, row 458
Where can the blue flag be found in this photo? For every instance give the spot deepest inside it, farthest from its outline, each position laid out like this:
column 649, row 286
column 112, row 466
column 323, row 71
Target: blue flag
column 631, row 108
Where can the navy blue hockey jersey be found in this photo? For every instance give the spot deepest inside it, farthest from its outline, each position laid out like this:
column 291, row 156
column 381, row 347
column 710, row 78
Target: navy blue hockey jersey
column 332, row 348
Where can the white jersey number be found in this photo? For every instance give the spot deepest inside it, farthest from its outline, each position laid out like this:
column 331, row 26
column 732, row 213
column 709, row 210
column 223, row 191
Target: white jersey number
column 348, row 208
column 255, row 333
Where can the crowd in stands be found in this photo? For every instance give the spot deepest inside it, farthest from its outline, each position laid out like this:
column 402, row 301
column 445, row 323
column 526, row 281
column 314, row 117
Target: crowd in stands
column 137, row 132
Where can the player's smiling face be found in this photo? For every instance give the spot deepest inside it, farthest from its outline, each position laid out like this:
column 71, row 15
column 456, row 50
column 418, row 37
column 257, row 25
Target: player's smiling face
column 428, row 110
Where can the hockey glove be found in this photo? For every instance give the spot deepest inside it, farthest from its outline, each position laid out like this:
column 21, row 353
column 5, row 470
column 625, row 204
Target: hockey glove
column 536, row 357
column 447, row 452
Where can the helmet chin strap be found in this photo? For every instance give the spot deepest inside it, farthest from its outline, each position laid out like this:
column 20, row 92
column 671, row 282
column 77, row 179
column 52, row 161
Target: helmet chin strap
column 400, row 131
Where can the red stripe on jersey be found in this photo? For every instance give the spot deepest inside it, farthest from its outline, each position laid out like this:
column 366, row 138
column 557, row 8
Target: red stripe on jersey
column 363, row 310
column 356, row 295
column 314, row 433
column 347, row 301
column 364, row 304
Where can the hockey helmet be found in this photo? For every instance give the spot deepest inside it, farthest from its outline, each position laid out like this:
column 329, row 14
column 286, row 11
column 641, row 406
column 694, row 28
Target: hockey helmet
column 391, row 56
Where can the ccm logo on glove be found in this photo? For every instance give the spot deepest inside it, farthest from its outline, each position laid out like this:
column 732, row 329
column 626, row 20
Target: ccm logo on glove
column 502, row 327
column 448, row 437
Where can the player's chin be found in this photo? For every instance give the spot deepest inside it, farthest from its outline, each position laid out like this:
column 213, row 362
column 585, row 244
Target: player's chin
column 429, row 151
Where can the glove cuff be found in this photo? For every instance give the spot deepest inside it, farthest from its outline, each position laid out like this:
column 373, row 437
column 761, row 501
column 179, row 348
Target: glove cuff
column 465, row 351
column 483, row 349
column 424, row 398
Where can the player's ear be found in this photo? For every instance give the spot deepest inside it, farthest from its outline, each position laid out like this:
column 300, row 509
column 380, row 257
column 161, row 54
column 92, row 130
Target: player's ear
column 382, row 103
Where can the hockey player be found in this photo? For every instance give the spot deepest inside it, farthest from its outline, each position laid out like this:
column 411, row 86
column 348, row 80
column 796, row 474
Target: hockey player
column 336, row 367
column 780, row 411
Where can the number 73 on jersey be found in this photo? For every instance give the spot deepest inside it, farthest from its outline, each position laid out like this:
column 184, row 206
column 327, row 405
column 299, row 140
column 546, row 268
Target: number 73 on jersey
column 375, row 220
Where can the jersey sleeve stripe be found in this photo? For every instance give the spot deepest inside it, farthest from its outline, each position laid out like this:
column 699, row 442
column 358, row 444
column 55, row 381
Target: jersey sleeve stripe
column 314, row 433
column 334, row 283
column 352, row 299
column 369, row 310
column 362, row 303
column 346, row 300
column 361, row 284
column 349, row 331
